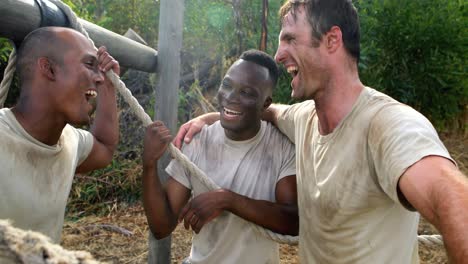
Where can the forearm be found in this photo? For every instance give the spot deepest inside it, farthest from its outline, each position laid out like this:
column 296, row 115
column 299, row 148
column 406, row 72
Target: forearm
column 161, row 219
column 280, row 218
column 105, row 127
column 451, row 215
column 271, row 114
column 210, row 118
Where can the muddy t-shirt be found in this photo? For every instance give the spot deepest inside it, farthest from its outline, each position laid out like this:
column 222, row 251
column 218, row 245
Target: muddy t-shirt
column 347, row 180
column 250, row 168
column 35, row 178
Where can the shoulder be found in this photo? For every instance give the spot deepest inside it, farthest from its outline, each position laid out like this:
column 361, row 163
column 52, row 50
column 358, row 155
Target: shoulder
column 275, row 136
column 208, row 134
column 299, row 109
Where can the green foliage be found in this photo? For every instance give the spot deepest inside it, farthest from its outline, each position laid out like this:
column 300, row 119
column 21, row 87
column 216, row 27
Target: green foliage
column 102, row 189
column 416, row 51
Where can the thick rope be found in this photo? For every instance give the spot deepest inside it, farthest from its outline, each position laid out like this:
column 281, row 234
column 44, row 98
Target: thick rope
column 8, row 76
column 176, row 154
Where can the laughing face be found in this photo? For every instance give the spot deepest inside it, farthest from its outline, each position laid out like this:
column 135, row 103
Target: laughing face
column 301, row 55
column 243, row 96
column 78, row 78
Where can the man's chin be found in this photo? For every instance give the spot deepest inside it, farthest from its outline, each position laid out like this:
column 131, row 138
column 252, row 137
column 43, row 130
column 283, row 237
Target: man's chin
column 81, row 123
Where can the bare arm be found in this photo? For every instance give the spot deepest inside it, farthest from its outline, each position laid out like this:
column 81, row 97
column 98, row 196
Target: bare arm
column 105, row 128
column 162, row 205
column 280, row 216
column 192, row 127
column 271, row 114
column 439, row 191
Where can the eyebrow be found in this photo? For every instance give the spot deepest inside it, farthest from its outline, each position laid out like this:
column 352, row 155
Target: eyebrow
column 286, row 35
column 90, row 56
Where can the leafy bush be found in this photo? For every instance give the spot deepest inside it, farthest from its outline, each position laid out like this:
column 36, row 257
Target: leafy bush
column 416, row 52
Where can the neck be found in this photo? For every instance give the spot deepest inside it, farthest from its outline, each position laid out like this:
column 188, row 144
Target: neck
column 38, row 121
column 245, row 134
column 336, row 100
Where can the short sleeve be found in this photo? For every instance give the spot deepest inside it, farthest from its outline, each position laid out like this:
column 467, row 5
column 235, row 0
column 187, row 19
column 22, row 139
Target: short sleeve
column 288, row 163
column 399, row 136
column 85, row 144
column 288, row 116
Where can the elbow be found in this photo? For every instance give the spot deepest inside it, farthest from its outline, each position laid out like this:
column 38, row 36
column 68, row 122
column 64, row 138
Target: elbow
column 292, row 222
column 159, row 233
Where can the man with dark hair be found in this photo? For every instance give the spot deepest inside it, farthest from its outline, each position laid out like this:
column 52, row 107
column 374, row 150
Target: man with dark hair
column 252, row 162
column 365, row 161
column 60, row 71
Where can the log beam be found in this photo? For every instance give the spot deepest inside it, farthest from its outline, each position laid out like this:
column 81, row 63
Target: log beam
column 19, row 17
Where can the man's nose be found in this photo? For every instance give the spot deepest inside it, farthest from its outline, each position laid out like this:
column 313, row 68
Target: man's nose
column 280, row 54
column 99, row 76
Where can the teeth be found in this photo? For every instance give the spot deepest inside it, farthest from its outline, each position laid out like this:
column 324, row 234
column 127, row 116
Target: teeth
column 292, row 69
column 91, row 93
column 231, row 112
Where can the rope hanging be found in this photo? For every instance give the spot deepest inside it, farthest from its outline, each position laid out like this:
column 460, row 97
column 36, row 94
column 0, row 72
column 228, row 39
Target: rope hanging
column 8, row 76
column 146, row 120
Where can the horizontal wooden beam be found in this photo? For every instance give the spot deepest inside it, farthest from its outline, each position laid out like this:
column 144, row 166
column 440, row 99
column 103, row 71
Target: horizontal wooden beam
column 19, row 17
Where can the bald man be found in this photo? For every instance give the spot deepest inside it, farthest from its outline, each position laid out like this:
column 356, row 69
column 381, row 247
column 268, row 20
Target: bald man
column 60, row 71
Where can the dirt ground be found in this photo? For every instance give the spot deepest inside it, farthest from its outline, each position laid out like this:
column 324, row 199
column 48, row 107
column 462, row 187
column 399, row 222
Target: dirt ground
column 122, row 236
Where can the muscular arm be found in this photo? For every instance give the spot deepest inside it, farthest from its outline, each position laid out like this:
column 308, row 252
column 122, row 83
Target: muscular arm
column 105, row 128
column 280, row 216
column 162, row 205
column 439, row 191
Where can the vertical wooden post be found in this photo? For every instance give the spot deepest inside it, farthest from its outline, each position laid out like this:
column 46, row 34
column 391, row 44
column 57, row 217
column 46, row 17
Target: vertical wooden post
column 169, row 46
column 264, row 34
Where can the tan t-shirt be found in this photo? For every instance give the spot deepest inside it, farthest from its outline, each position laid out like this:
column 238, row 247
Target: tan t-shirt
column 347, row 180
column 35, row 178
column 250, row 168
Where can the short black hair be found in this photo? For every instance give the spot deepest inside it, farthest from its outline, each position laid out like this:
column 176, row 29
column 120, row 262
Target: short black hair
column 263, row 59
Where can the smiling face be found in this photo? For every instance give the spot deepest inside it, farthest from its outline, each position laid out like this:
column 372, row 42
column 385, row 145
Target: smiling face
column 244, row 94
column 302, row 56
column 77, row 79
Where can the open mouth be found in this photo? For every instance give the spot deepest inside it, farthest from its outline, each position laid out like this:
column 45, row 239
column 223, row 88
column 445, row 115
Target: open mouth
column 231, row 113
column 90, row 94
column 293, row 70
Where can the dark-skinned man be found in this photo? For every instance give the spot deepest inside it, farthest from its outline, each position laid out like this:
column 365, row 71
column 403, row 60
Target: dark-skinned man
column 257, row 184
column 59, row 72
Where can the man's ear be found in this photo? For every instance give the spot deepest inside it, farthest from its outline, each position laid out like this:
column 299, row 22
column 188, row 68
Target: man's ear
column 267, row 102
column 46, row 68
column 333, row 39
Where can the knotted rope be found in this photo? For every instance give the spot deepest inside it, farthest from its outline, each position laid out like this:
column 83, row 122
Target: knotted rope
column 146, row 120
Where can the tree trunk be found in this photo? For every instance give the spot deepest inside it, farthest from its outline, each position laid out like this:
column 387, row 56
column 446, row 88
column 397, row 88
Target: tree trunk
column 236, row 6
column 264, row 34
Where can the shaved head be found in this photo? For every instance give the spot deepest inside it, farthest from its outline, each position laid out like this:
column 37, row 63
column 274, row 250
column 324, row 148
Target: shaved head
column 49, row 42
